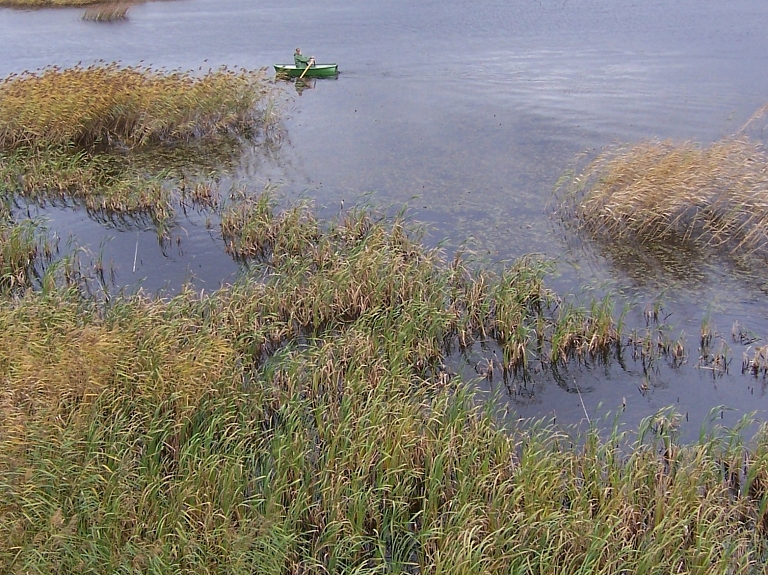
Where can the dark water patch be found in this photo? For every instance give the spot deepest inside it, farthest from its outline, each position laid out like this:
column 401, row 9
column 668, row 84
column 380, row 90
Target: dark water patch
column 596, row 393
column 135, row 256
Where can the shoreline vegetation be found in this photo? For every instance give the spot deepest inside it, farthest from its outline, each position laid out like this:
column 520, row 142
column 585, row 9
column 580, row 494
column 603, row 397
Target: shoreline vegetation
column 58, row 3
column 95, row 10
column 304, row 420
column 308, row 419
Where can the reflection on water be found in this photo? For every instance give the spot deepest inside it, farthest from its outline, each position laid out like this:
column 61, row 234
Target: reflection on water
column 469, row 112
column 301, row 84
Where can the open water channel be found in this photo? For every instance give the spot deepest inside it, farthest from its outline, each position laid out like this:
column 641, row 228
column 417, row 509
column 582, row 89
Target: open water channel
column 469, row 112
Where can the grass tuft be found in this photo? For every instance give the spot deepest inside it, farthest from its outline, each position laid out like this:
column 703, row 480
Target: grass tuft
column 712, row 196
column 47, row 3
column 106, row 12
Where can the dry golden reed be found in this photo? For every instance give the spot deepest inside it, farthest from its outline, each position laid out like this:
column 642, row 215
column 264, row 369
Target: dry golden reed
column 110, row 105
column 108, row 12
column 51, row 3
column 76, row 133
column 714, row 195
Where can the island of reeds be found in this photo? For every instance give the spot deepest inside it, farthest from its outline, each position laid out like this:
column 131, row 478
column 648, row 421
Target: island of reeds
column 92, row 134
column 711, row 196
column 109, row 12
column 308, row 419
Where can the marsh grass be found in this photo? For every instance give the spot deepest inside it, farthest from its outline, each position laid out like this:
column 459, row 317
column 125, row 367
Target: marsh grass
column 131, row 106
column 100, row 182
column 25, row 248
column 301, row 421
column 347, row 269
column 124, row 189
column 47, row 3
column 135, row 438
column 96, row 135
column 108, row 12
column 252, row 229
column 713, row 196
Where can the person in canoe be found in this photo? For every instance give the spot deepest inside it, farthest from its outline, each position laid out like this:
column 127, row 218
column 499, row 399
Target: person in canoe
column 303, row 61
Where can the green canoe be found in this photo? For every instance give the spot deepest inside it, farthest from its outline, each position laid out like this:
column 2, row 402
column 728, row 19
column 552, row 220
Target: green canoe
column 316, row 71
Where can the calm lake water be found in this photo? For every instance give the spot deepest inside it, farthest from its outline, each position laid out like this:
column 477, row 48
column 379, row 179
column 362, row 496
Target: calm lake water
column 469, row 112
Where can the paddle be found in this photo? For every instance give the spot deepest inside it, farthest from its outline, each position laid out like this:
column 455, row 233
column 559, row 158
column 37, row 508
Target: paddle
column 309, row 64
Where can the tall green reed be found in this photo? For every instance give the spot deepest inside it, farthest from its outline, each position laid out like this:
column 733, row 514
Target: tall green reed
column 299, row 422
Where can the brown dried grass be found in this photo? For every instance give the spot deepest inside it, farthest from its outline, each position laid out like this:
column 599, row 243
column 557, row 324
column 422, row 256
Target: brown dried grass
column 52, row 3
column 714, row 195
column 110, row 12
column 111, row 105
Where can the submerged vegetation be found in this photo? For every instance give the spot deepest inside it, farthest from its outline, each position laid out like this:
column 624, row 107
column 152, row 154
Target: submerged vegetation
column 304, row 420
column 100, row 182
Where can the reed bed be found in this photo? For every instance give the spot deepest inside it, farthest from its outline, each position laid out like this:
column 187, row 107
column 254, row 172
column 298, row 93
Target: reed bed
column 47, row 3
column 92, row 134
column 102, row 183
column 132, row 106
column 301, row 421
column 357, row 265
column 106, row 12
column 712, row 196
column 147, row 436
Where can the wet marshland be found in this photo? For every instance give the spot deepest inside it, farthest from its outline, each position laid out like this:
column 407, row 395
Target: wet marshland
column 469, row 113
